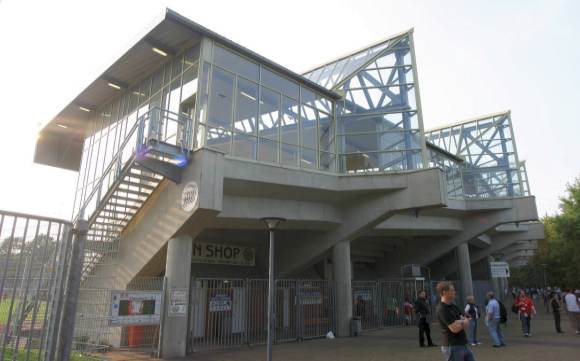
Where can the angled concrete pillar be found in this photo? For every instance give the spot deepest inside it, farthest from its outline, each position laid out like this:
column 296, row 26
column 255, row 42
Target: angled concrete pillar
column 464, row 270
column 342, row 272
column 178, row 273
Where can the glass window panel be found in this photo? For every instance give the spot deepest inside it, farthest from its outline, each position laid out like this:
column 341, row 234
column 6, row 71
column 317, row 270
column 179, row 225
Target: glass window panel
column 289, row 154
column 204, row 89
column 167, row 73
column 236, row 63
column 221, row 98
column 326, row 131
column 246, row 106
column 289, row 121
column 219, row 139
column 327, row 161
column 191, row 56
column 177, row 66
column 268, row 150
column 308, row 123
column 188, row 93
column 157, row 80
column 144, row 89
column 279, row 83
column 309, row 158
column 174, row 96
column 269, row 114
column 244, row 146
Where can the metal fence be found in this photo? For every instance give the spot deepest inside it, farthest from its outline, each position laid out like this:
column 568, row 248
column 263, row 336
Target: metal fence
column 387, row 303
column 95, row 335
column 34, row 255
column 233, row 312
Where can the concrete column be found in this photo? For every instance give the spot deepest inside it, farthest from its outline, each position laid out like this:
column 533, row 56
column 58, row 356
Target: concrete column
column 178, row 273
column 342, row 273
column 464, row 270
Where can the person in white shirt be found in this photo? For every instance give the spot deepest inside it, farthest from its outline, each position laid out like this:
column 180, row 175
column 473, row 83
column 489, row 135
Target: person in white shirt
column 573, row 309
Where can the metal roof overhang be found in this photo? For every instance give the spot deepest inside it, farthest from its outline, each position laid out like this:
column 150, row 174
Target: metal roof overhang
column 60, row 141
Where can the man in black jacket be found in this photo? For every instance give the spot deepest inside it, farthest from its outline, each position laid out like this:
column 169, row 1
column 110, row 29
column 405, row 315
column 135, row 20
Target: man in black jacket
column 422, row 310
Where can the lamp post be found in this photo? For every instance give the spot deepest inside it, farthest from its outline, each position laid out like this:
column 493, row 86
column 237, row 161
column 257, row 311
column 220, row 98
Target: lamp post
column 271, row 223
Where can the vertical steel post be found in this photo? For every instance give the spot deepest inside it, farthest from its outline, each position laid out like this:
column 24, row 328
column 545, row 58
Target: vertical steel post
column 270, row 297
column 67, row 323
column 271, row 223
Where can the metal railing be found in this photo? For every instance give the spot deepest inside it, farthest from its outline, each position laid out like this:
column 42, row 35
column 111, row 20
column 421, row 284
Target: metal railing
column 383, row 304
column 157, row 125
column 227, row 313
column 34, row 256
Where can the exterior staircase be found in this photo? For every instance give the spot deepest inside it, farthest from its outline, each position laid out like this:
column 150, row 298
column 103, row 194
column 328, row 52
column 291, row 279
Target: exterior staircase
column 158, row 146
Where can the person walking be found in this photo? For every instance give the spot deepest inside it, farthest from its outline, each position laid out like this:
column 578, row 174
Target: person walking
column 556, row 307
column 423, row 311
column 526, row 308
column 573, row 310
column 453, row 325
column 473, row 314
column 492, row 320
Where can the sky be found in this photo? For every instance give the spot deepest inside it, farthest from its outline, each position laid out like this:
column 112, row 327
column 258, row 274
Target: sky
column 473, row 58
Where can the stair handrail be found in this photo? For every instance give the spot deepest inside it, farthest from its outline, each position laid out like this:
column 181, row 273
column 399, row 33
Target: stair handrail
column 142, row 139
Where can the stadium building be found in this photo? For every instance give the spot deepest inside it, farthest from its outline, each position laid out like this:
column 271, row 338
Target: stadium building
column 188, row 141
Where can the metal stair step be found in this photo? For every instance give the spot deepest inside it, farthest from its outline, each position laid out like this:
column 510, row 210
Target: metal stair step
column 138, row 185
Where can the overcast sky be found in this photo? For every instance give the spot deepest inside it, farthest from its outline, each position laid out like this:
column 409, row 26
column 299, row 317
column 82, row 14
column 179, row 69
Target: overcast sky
column 474, row 58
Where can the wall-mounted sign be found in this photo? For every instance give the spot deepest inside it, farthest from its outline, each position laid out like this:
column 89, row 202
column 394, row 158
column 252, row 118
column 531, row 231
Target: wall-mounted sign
column 311, row 297
column 220, row 302
column 189, row 196
column 177, row 302
column 135, row 308
column 223, row 254
column 499, row 269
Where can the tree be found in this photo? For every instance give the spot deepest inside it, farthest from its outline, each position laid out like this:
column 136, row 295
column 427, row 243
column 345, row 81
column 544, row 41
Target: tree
column 560, row 250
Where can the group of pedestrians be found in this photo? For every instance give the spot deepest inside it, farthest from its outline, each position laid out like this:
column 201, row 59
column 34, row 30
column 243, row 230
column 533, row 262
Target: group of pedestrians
column 459, row 326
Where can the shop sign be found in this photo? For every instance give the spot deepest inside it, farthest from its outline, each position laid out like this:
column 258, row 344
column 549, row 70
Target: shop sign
column 211, row 253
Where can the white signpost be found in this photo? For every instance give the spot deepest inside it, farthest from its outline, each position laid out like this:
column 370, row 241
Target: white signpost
column 499, row 269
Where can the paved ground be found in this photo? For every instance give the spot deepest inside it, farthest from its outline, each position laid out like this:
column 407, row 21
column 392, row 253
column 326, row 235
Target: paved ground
column 402, row 345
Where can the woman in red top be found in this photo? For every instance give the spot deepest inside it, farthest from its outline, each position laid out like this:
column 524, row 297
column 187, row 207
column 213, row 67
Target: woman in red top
column 526, row 308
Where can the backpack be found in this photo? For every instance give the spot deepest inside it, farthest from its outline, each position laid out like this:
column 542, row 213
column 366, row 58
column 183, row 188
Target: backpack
column 502, row 313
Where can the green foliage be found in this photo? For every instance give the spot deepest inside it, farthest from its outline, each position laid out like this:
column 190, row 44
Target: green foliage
column 560, row 251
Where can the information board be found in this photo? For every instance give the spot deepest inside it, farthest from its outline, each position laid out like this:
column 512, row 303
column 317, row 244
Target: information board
column 135, row 308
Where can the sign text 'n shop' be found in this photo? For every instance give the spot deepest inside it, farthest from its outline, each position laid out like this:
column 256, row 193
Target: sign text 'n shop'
column 212, row 253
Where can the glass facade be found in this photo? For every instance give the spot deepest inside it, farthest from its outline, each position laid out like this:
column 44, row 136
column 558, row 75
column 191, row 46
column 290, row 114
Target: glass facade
column 378, row 126
column 452, row 169
column 112, row 127
column 255, row 113
column 491, row 168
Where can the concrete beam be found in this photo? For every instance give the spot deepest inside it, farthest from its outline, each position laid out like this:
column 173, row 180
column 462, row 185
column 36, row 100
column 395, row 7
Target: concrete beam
column 410, row 224
column 512, row 210
column 481, row 241
column 425, row 188
column 498, row 242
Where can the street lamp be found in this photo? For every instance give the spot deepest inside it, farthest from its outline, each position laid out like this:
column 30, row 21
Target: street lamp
column 271, row 223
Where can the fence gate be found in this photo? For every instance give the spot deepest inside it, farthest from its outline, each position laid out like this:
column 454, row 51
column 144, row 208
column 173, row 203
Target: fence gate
column 227, row 313
column 34, row 254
